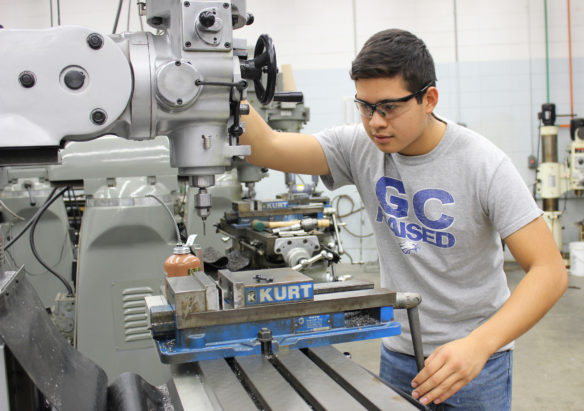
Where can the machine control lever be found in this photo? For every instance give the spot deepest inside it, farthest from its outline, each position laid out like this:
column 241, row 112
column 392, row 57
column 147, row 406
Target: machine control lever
column 333, row 213
column 239, row 85
column 410, row 302
column 307, row 262
column 235, row 130
column 414, row 320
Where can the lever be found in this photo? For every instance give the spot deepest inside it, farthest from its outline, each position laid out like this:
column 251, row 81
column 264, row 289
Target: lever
column 410, row 302
column 307, row 262
column 333, row 212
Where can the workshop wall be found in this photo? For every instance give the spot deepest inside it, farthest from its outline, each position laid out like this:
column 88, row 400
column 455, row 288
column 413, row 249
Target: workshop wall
column 490, row 59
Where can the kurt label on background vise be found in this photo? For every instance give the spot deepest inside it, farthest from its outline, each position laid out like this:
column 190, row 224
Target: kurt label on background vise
column 394, row 207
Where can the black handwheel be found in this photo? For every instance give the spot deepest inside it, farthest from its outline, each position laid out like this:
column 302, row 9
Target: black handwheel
column 264, row 61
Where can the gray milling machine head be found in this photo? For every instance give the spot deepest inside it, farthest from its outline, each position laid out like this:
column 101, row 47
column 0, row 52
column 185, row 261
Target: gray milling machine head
column 186, row 81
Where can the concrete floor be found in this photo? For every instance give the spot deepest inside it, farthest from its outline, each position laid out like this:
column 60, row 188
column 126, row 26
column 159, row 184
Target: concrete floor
column 548, row 359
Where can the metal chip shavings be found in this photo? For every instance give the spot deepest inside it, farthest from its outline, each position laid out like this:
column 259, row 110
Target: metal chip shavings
column 359, row 319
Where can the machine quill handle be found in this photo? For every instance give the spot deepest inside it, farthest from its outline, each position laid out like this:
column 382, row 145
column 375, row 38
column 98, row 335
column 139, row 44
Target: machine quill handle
column 415, row 331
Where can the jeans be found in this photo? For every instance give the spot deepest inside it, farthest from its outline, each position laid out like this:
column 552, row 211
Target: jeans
column 489, row 391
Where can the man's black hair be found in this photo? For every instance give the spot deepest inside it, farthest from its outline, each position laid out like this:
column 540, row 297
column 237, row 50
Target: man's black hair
column 395, row 52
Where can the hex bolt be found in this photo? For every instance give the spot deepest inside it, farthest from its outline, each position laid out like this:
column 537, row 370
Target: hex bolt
column 187, row 4
column 177, row 63
column 265, row 339
column 188, row 44
column 95, row 41
column 225, row 5
column 98, row 116
column 264, row 334
column 27, row 79
column 227, row 44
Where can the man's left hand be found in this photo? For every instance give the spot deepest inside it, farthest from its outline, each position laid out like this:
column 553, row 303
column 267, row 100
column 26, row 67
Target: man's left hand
column 449, row 368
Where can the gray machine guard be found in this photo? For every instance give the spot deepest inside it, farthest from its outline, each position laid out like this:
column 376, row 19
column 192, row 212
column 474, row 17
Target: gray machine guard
column 66, row 378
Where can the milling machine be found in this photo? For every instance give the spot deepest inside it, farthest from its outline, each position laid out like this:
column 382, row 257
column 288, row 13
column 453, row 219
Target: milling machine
column 187, row 82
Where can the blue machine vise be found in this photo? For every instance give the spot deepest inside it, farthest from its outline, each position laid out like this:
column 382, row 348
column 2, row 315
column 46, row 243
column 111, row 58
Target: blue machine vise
column 245, row 312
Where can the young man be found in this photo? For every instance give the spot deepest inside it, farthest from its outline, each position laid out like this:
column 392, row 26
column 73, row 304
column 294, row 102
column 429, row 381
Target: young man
column 439, row 197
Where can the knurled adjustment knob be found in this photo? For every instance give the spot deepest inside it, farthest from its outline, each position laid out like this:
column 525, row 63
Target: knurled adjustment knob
column 74, row 79
column 207, row 18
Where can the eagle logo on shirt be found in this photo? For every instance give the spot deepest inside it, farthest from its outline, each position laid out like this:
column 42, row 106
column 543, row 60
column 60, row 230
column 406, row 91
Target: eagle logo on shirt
column 409, row 247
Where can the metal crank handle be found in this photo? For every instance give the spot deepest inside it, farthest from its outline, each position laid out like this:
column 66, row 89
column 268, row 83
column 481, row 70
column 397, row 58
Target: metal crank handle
column 305, row 263
column 410, row 302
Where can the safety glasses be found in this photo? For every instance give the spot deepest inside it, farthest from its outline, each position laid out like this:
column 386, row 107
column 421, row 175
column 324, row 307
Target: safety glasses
column 389, row 106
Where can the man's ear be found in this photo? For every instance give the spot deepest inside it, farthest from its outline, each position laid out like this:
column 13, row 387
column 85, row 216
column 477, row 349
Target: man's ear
column 431, row 99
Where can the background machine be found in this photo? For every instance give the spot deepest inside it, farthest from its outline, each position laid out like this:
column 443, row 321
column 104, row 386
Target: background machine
column 225, row 336
column 554, row 178
column 25, row 191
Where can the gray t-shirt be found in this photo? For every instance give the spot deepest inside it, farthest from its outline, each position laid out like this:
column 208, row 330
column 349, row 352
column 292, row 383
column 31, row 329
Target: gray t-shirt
column 438, row 219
